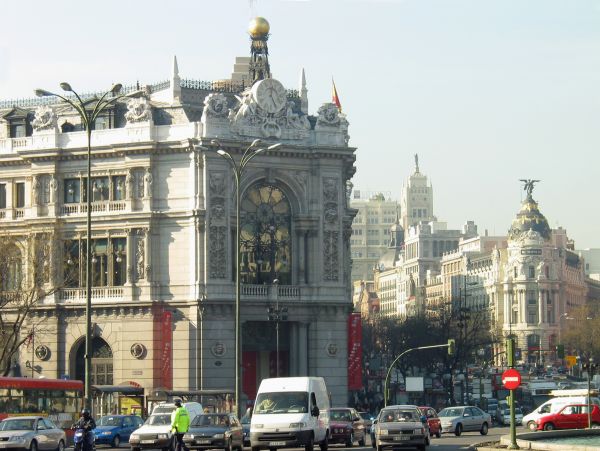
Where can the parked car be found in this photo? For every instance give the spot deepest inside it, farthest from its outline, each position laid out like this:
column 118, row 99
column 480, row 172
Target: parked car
column 460, row 419
column 346, row 426
column 31, row 433
column 215, row 430
column 433, row 421
column 154, row 433
column 401, row 426
column 504, row 416
column 114, row 429
column 572, row 416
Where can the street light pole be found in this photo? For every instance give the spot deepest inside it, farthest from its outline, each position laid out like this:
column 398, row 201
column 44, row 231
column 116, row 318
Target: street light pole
column 88, row 119
column 238, row 170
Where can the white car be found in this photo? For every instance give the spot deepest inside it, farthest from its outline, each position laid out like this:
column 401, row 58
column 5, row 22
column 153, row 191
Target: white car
column 504, row 416
column 154, row 433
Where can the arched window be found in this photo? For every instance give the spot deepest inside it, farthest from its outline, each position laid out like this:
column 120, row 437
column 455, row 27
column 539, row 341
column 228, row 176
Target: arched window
column 102, row 362
column 265, row 235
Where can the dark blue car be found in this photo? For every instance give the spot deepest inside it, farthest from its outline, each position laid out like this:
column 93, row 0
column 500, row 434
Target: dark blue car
column 114, row 429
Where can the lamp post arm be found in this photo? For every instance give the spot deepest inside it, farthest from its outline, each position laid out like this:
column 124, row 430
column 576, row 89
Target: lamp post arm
column 389, row 371
column 103, row 104
column 249, row 154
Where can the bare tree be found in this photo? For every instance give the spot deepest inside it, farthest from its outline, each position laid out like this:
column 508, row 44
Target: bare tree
column 25, row 280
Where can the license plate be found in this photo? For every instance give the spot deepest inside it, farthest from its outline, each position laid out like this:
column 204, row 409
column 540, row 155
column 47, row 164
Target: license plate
column 401, row 437
column 204, row 442
column 276, row 443
column 146, row 441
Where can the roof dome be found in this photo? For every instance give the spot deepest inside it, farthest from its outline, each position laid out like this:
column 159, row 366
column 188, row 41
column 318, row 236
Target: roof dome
column 259, row 27
column 529, row 218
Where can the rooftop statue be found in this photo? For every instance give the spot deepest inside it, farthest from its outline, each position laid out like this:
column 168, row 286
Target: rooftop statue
column 529, row 185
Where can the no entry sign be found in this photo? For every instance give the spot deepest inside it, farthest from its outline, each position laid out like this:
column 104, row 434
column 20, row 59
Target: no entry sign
column 511, row 379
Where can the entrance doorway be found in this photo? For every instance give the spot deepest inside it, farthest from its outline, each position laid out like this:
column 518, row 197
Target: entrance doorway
column 102, row 362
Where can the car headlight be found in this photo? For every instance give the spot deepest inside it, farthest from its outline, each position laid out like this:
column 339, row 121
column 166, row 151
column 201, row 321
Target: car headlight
column 419, row 431
column 106, row 433
column 134, row 437
column 218, row 436
column 297, row 425
column 383, row 431
column 163, row 435
column 258, row 426
column 17, row 438
column 188, row 436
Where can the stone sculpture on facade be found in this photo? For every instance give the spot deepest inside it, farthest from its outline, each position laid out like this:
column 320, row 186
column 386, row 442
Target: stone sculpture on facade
column 138, row 110
column 217, row 226
column 215, row 105
column 45, row 119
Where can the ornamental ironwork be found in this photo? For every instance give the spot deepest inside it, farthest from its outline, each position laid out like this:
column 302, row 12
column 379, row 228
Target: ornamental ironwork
column 265, row 235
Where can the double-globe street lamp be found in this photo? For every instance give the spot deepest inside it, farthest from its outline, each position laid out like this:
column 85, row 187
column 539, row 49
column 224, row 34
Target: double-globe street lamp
column 238, row 168
column 88, row 120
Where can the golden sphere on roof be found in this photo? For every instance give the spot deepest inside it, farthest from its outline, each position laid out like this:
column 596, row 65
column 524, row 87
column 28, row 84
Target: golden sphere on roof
column 258, row 27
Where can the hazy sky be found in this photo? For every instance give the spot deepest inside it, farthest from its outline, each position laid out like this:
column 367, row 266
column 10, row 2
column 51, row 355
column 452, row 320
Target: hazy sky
column 485, row 91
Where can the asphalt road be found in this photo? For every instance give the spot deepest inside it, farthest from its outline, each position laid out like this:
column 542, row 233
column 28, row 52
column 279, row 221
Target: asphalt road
column 447, row 442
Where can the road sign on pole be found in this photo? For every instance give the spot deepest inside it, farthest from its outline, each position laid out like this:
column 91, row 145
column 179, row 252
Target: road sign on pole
column 511, row 379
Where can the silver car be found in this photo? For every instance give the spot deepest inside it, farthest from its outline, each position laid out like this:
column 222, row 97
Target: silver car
column 401, row 426
column 464, row 418
column 31, row 433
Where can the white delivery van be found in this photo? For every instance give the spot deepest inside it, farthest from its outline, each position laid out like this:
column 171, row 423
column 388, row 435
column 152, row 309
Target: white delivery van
column 561, row 398
column 290, row 412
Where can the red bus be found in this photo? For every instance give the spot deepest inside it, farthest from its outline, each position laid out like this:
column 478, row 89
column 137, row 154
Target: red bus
column 61, row 400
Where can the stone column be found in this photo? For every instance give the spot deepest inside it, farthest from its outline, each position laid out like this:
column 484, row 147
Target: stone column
column 541, row 309
column 302, row 349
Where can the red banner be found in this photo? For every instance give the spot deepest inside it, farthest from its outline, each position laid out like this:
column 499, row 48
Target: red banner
column 166, row 350
column 354, row 352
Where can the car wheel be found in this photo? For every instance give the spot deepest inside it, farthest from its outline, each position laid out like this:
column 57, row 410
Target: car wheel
column 458, row 430
column 532, row 426
column 116, row 442
column 484, row 429
column 350, row 441
column 61, row 446
column 33, row 446
column 310, row 446
column 549, row 427
column 421, row 448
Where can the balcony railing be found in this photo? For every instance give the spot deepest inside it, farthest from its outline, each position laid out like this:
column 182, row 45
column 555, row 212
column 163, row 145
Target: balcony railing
column 97, row 207
column 262, row 291
column 98, row 294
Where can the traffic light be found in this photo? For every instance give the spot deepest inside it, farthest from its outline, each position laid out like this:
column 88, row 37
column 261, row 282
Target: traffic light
column 451, row 346
column 560, row 351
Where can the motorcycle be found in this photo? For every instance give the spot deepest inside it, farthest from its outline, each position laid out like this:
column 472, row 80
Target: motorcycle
column 84, row 440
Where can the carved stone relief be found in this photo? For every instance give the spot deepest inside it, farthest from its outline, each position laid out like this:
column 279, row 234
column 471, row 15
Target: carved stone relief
column 138, row 110
column 330, row 255
column 148, row 182
column 140, row 254
column 45, row 119
column 217, row 220
column 331, row 229
column 215, row 105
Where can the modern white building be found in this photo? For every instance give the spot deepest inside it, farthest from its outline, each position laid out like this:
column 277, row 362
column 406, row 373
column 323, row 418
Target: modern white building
column 163, row 230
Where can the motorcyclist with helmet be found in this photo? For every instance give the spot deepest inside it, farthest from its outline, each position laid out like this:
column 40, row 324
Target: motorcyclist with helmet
column 87, row 424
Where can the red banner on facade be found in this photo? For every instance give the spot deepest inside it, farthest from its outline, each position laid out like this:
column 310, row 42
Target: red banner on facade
column 354, row 352
column 166, row 350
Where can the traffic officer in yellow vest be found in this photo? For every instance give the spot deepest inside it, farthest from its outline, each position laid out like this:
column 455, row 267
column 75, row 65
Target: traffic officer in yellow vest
column 180, row 423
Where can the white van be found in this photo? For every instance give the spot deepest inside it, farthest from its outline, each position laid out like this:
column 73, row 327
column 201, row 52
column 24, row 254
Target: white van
column 290, row 412
column 553, row 405
column 193, row 408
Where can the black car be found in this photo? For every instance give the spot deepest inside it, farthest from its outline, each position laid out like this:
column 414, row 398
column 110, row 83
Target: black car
column 215, row 430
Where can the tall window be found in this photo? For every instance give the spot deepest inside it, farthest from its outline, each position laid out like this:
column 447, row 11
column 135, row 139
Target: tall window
column 72, row 191
column 532, row 312
column 20, row 195
column 2, row 195
column 266, row 246
column 109, row 262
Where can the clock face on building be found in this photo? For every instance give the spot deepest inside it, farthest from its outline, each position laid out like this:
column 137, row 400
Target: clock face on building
column 269, row 94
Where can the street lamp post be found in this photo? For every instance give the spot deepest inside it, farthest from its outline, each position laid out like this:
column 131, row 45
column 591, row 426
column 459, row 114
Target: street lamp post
column 88, row 119
column 277, row 314
column 237, row 168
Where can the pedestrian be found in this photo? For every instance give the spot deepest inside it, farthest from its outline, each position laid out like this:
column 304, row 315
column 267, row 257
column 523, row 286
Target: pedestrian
column 180, row 423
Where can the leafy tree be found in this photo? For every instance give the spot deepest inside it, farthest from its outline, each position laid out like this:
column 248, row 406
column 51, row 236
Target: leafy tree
column 25, row 280
column 580, row 334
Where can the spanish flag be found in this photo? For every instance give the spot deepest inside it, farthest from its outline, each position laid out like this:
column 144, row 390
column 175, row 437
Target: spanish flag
column 335, row 98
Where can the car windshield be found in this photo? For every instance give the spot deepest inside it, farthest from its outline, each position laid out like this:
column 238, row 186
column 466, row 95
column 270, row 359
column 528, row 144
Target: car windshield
column 207, row 420
column 398, row 415
column 158, row 420
column 340, row 415
column 17, row 425
column 110, row 421
column 451, row 412
column 281, row 402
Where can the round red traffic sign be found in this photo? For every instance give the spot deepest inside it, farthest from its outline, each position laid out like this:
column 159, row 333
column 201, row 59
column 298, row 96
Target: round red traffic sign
column 511, row 379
